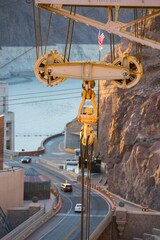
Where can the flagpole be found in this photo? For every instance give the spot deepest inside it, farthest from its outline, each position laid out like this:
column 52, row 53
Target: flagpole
column 98, row 114
column 101, row 38
column 98, row 106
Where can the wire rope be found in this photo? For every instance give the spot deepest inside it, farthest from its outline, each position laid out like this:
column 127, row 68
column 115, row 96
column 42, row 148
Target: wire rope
column 67, row 35
column 89, row 166
column 34, row 25
column 112, row 45
column 86, row 153
column 82, row 184
column 47, row 37
column 139, row 30
column 71, row 36
column 40, row 51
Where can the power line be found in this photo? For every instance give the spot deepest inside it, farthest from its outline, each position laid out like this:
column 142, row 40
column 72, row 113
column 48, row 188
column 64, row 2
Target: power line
column 60, row 94
column 32, row 93
column 49, row 100
column 55, row 91
column 105, row 92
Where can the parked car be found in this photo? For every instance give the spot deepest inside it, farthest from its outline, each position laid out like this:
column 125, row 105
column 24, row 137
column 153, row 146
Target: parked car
column 26, row 159
column 66, row 187
column 78, row 208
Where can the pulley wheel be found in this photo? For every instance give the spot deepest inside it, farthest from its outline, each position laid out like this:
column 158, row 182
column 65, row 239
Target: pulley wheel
column 40, row 68
column 88, row 134
column 135, row 72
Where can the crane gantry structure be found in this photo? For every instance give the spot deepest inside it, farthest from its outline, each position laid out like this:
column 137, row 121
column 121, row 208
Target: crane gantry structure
column 125, row 71
column 116, row 27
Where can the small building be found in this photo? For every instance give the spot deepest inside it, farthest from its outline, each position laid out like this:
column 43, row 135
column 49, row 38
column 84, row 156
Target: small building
column 36, row 185
column 9, row 142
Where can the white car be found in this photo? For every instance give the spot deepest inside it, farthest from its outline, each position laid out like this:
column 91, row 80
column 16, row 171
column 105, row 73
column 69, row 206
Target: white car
column 72, row 162
column 78, row 208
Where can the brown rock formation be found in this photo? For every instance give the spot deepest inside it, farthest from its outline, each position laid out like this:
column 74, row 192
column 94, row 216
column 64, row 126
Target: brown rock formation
column 129, row 132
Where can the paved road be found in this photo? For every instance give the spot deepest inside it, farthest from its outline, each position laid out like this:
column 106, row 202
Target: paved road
column 54, row 150
column 66, row 224
column 56, row 154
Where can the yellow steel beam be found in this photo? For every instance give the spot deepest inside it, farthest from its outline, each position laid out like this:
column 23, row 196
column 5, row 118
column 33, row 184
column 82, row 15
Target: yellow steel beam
column 117, row 28
column 87, row 71
column 104, row 3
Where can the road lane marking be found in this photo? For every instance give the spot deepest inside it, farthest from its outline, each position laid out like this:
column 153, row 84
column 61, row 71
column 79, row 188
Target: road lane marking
column 73, row 230
column 58, row 153
column 61, row 148
column 66, row 215
column 76, row 215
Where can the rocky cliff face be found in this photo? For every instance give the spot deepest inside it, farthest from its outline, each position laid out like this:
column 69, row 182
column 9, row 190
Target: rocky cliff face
column 129, row 133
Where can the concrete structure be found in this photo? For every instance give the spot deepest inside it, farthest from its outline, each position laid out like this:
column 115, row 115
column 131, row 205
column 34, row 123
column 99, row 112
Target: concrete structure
column 72, row 138
column 72, row 134
column 128, row 225
column 8, row 119
column 17, row 216
column 11, row 188
column 36, row 185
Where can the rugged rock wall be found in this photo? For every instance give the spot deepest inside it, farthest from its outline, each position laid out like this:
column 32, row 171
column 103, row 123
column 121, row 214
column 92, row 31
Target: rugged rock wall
column 129, row 133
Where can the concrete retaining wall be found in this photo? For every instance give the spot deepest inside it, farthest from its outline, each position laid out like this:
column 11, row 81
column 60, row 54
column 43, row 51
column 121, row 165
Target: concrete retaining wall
column 71, row 141
column 16, row 216
column 139, row 223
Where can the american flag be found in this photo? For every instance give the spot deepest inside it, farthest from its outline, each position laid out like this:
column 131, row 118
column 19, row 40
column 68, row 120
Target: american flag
column 101, row 38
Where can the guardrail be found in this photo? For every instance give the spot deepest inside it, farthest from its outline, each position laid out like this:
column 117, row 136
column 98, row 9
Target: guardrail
column 33, row 223
column 103, row 191
column 106, row 194
column 102, row 226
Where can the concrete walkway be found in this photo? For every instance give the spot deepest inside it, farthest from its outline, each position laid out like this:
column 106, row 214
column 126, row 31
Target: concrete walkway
column 47, row 204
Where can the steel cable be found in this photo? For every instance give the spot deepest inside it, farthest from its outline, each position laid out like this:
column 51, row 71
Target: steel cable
column 86, row 153
column 47, row 37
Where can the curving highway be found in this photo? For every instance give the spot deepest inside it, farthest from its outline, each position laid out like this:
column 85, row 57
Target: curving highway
column 66, row 224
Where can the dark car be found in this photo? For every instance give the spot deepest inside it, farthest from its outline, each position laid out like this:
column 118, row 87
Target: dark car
column 26, row 159
column 66, row 187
